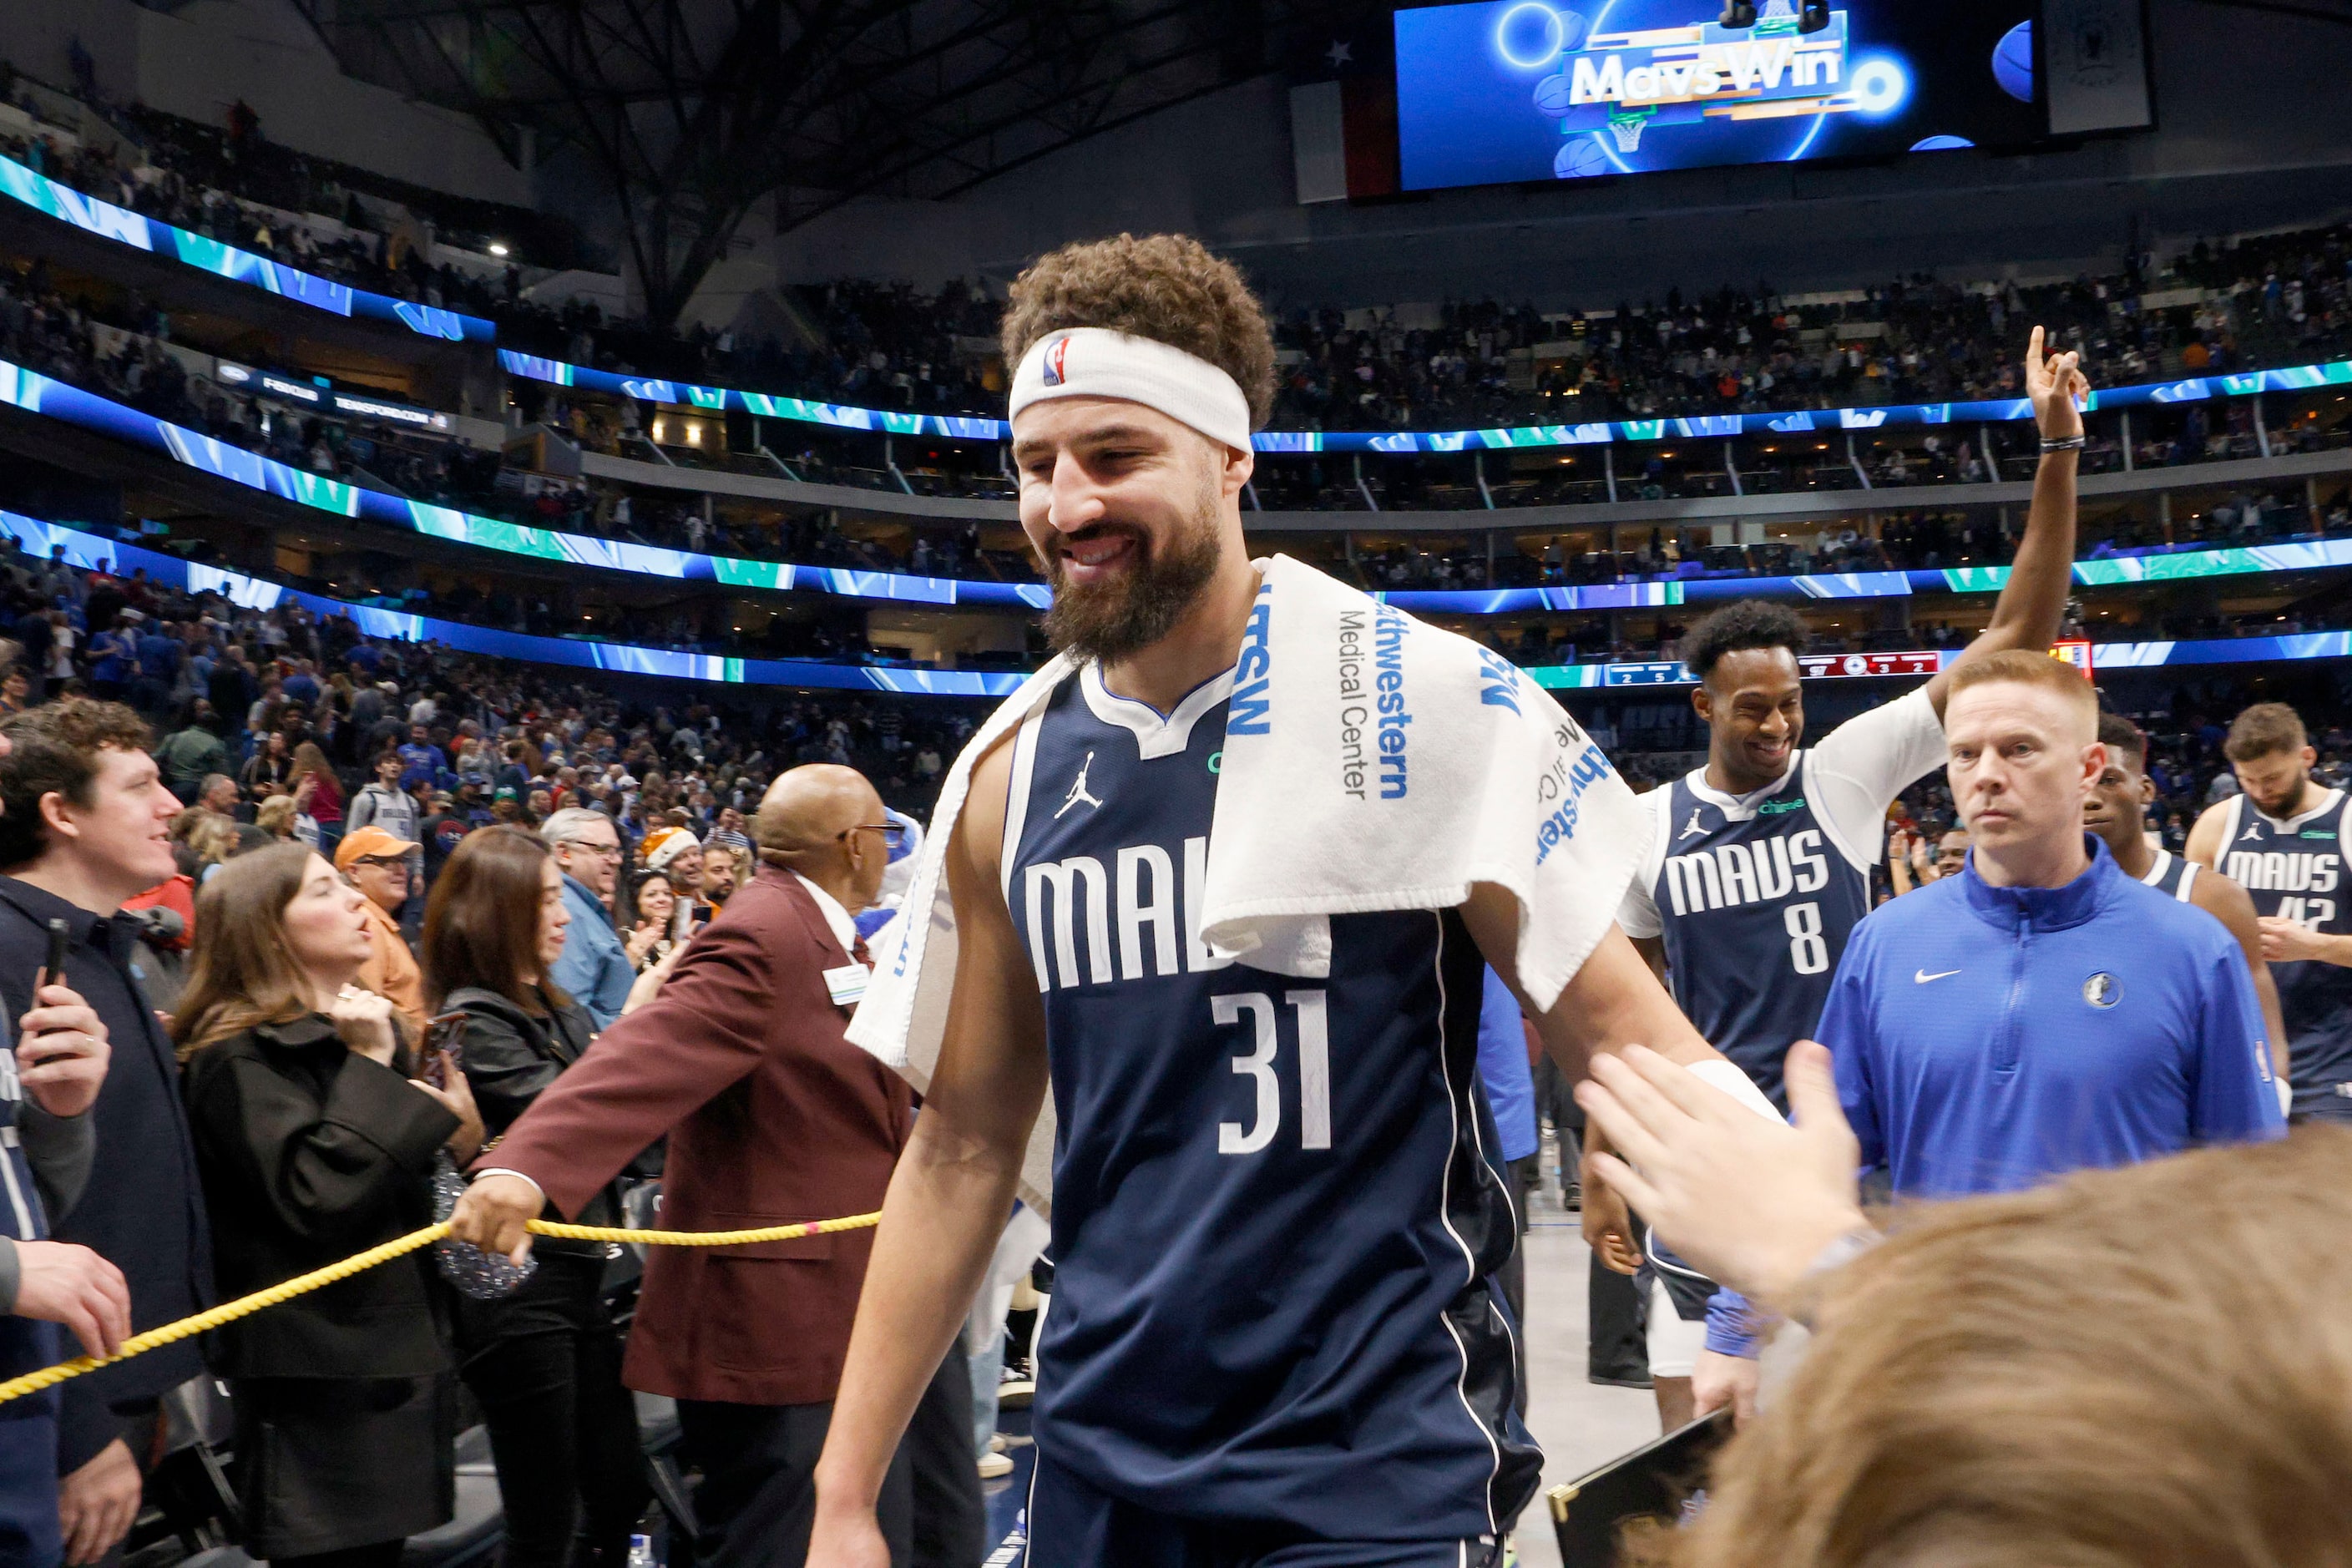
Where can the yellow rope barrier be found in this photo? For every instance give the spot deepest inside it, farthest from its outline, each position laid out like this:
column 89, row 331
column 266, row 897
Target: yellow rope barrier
column 286, row 1289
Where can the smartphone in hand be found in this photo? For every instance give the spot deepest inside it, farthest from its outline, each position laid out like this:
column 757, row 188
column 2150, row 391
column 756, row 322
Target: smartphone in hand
column 53, row 963
column 53, row 971
column 443, row 1049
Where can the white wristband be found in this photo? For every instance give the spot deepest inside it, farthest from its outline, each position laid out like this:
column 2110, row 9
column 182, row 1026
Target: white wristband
column 1717, row 1073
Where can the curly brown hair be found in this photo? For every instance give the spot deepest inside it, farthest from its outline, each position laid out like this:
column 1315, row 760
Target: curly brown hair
column 1166, row 287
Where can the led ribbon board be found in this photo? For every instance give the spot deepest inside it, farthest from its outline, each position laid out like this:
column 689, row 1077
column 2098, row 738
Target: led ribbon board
column 2099, row 658
column 107, row 221
column 36, row 394
column 1793, row 422
column 91, row 552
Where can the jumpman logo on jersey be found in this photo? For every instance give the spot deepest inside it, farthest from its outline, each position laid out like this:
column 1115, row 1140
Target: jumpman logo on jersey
column 1078, row 790
column 2254, row 830
column 1693, row 830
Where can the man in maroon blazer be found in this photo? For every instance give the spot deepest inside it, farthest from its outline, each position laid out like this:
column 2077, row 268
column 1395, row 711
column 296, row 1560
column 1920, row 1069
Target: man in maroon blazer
column 772, row 1117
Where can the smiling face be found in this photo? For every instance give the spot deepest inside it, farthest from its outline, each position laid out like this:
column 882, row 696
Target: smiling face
column 1131, row 513
column 121, row 839
column 383, row 879
column 1754, row 704
column 656, row 902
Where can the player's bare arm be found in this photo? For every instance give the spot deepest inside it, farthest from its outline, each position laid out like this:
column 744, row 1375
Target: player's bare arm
column 952, row 1189
column 2032, row 603
column 1614, row 1001
column 2204, row 845
column 2226, row 901
column 2288, row 940
column 1653, row 950
column 1606, row 1222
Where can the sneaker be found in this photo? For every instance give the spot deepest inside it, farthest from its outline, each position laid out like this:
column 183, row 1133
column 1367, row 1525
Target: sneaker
column 1015, row 1386
column 995, row 1466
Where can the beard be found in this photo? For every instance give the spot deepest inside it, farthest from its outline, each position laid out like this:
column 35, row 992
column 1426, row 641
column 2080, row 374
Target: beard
column 1135, row 608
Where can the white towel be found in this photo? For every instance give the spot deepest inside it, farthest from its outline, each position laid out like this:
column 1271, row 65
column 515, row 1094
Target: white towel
column 1372, row 762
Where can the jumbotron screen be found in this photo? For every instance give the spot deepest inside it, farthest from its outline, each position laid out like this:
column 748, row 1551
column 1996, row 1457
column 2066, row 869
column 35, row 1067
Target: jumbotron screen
column 1512, row 90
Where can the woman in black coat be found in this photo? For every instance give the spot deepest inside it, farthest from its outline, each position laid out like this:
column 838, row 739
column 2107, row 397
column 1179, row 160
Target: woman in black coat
column 315, row 1142
column 545, row 1361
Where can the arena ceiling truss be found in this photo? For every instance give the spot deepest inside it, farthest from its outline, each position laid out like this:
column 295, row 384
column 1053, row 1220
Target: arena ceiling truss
column 692, row 110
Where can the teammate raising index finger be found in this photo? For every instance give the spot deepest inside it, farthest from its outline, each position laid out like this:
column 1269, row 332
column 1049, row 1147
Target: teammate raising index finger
column 1760, row 867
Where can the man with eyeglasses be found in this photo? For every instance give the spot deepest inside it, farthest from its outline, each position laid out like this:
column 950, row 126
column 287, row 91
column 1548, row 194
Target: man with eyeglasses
column 772, row 1116
column 377, row 864
column 594, row 967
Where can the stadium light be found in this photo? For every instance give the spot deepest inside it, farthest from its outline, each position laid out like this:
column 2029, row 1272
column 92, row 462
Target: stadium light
column 497, row 247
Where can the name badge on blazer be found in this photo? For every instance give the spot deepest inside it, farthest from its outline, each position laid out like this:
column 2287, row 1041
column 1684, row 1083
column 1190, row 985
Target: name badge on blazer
column 847, row 984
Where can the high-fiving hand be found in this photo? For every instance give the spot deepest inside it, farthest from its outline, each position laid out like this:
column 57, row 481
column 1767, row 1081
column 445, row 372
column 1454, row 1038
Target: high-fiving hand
column 1747, row 1201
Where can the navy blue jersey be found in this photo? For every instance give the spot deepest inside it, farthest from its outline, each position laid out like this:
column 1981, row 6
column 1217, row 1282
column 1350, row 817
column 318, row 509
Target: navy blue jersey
column 2172, row 874
column 2296, row 869
column 1754, row 896
column 1276, row 1201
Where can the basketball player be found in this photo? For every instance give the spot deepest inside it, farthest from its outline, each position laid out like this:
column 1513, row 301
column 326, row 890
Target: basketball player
column 1274, row 1340
column 2283, row 841
column 1760, row 867
column 2116, row 810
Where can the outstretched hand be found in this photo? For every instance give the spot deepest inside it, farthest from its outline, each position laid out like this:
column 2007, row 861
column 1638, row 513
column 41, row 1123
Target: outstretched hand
column 2058, row 388
column 1746, row 1201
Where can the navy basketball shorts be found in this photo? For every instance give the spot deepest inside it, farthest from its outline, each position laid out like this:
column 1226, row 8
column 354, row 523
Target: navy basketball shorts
column 1073, row 1525
column 1674, row 1301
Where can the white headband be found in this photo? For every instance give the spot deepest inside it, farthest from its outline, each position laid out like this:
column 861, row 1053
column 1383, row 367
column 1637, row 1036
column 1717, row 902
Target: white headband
column 1095, row 362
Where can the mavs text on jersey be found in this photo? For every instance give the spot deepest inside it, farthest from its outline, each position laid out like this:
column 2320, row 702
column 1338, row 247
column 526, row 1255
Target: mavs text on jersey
column 1754, row 896
column 2296, row 869
column 1276, row 1203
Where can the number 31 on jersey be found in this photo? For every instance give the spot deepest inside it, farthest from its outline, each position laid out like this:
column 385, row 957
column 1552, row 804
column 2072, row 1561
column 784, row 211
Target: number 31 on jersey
column 1310, row 1028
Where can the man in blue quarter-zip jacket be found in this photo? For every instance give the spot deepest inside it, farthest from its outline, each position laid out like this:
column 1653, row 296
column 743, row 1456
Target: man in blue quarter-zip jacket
column 2041, row 1011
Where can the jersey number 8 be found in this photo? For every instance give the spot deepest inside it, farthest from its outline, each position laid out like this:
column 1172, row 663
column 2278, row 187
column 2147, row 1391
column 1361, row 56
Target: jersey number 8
column 1807, row 950
column 1313, row 1069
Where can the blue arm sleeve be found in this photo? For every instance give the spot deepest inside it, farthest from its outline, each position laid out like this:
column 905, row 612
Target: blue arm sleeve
column 1503, row 1068
column 2233, row 1097
column 1732, row 1325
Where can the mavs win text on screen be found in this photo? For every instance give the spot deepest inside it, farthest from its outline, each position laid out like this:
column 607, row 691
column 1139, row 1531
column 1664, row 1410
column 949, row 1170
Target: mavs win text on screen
column 1513, row 90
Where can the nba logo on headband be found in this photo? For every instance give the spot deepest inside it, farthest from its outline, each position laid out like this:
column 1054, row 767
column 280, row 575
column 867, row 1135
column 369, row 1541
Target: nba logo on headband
column 1188, row 389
